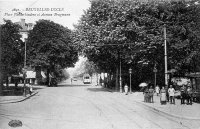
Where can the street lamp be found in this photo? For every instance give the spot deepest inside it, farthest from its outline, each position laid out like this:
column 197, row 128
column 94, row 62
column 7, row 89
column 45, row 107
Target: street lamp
column 24, row 36
column 130, row 72
column 155, row 71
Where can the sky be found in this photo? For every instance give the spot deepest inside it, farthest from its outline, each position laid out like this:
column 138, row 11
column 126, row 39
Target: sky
column 77, row 66
column 64, row 12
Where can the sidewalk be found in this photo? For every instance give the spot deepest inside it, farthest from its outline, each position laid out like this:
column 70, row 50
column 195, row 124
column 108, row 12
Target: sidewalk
column 191, row 112
column 188, row 112
column 15, row 99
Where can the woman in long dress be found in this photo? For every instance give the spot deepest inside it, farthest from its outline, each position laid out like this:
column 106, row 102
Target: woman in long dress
column 146, row 95
column 163, row 97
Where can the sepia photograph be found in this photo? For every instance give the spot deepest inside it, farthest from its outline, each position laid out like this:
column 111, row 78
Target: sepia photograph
column 99, row 64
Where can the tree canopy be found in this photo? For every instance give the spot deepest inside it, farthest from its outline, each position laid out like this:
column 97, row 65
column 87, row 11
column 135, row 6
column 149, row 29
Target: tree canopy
column 50, row 45
column 132, row 31
column 12, row 48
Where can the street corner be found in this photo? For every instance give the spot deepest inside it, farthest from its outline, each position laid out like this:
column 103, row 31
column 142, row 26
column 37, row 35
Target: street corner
column 28, row 96
column 16, row 99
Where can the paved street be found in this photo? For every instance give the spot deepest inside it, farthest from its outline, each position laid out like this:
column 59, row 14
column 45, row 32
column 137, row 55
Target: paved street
column 86, row 107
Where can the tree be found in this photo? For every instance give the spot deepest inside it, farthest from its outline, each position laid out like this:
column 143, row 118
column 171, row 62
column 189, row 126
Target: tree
column 105, row 23
column 50, row 46
column 11, row 49
column 132, row 32
column 182, row 22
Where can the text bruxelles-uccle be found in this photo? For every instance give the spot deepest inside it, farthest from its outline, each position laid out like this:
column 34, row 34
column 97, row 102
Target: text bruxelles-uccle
column 44, row 9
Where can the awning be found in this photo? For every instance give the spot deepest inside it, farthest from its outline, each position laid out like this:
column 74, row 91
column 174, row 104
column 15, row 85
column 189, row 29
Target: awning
column 194, row 75
column 30, row 74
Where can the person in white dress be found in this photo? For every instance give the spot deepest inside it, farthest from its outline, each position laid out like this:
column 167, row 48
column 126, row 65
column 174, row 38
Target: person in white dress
column 171, row 92
column 157, row 89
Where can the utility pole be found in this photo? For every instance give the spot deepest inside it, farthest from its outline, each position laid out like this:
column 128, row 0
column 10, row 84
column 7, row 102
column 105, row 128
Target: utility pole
column 165, row 42
column 155, row 71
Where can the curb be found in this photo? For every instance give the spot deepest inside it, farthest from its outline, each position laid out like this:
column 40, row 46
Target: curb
column 20, row 100
column 166, row 113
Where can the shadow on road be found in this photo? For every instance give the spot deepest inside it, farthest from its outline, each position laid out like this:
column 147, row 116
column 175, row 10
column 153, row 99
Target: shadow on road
column 37, row 88
column 98, row 90
column 73, row 85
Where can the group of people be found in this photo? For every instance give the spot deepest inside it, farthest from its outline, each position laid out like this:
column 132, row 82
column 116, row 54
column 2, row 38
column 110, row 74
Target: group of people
column 168, row 94
column 148, row 94
column 186, row 94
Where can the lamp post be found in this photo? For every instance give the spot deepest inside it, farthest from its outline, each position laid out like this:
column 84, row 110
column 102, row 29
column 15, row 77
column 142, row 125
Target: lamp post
column 130, row 72
column 155, row 71
column 24, row 36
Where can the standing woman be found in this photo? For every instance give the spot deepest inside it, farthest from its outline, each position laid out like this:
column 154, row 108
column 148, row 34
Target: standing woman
column 163, row 96
column 146, row 95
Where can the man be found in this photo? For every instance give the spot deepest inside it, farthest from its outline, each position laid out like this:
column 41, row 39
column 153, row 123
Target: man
column 151, row 92
column 189, row 95
column 183, row 94
column 171, row 92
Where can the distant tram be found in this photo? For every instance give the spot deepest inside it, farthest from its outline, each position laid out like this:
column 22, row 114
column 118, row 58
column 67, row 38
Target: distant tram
column 87, row 79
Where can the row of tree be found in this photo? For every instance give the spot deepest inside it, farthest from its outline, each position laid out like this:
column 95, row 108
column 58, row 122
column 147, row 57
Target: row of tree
column 49, row 45
column 131, row 32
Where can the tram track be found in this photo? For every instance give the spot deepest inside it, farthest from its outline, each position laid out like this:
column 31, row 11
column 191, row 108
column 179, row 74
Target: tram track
column 122, row 105
column 141, row 114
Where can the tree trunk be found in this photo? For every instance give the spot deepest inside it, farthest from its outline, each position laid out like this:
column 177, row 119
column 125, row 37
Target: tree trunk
column 117, row 79
column 1, row 76
column 48, row 80
column 7, row 81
